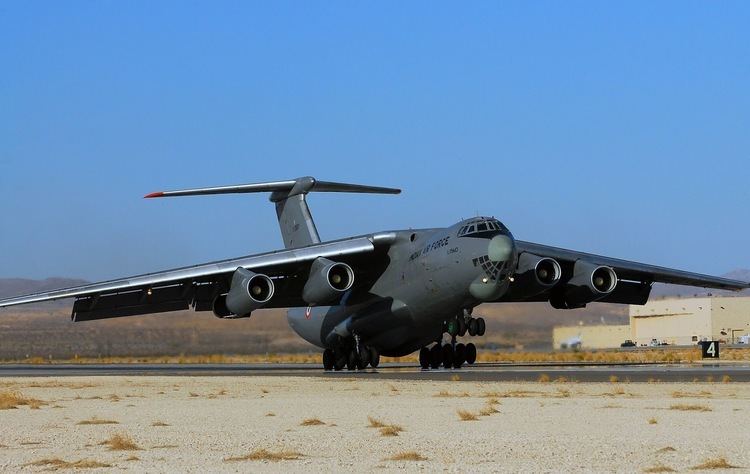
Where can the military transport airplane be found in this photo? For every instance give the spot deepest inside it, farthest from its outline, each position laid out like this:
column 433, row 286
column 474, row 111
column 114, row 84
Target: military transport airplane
column 388, row 293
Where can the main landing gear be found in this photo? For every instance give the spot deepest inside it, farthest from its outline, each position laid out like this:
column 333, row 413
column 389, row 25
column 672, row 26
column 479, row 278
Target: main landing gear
column 453, row 354
column 356, row 357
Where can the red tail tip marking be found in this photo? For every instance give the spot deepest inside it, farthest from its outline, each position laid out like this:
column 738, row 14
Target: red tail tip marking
column 154, row 195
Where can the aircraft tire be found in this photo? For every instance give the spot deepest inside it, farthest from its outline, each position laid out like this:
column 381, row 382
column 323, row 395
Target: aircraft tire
column 481, row 327
column 363, row 358
column 351, row 361
column 424, row 358
column 374, row 358
column 471, row 353
column 339, row 360
column 461, row 326
column 472, row 327
column 436, row 356
column 328, row 360
column 459, row 355
column 447, row 356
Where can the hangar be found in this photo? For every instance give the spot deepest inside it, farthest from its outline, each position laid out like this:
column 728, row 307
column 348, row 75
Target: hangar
column 674, row 321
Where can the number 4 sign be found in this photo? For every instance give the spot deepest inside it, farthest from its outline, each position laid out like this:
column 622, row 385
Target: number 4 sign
column 710, row 349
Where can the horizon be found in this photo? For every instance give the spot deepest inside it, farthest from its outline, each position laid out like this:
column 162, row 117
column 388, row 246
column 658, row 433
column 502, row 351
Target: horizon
column 595, row 127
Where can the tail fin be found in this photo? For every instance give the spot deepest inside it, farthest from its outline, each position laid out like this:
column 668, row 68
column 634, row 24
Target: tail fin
column 296, row 222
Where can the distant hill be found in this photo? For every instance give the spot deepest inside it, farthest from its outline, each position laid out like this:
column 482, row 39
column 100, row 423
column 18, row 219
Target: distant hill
column 665, row 291
column 22, row 286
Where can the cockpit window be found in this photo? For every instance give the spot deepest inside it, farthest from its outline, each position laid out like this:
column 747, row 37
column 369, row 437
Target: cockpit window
column 481, row 226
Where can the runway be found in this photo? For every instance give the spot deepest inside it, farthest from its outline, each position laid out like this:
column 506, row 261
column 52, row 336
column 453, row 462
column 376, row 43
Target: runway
column 484, row 372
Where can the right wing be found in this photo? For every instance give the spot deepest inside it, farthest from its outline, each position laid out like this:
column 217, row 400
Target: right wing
column 198, row 285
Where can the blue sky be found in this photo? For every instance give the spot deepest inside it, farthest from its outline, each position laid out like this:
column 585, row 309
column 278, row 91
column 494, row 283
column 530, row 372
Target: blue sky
column 620, row 129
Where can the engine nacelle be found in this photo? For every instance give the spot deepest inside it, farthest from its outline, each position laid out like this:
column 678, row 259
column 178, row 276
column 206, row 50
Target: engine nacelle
column 589, row 283
column 534, row 274
column 248, row 292
column 327, row 281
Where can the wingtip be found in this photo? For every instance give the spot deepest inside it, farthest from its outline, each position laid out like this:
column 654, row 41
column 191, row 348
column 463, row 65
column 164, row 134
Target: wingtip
column 153, row 195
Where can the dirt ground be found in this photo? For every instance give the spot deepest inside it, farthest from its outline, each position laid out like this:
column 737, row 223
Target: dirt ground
column 294, row 424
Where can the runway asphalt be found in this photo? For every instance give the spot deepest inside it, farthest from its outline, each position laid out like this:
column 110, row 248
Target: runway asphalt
column 487, row 372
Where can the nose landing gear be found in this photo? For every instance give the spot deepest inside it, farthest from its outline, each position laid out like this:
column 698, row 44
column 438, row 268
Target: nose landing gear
column 454, row 354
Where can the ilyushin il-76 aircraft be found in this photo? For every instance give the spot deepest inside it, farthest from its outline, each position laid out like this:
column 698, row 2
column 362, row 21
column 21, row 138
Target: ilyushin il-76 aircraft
column 387, row 293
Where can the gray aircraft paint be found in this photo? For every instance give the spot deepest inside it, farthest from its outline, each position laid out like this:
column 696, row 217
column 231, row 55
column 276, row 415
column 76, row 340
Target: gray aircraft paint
column 407, row 283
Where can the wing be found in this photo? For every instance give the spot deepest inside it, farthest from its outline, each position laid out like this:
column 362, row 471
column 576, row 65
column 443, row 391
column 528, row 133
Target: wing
column 634, row 279
column 198, row 285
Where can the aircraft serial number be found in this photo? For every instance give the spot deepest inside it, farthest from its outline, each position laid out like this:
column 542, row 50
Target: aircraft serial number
column 429, row 248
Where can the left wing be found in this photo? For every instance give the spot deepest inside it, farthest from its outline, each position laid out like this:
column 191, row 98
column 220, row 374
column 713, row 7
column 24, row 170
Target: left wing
column 634, row 279
column 198, row 285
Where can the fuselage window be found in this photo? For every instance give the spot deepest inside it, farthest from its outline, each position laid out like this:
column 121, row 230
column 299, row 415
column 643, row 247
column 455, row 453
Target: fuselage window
column 481, row 227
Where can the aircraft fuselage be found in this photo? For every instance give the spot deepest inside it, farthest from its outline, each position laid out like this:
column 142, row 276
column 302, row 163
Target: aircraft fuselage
column 432, row 275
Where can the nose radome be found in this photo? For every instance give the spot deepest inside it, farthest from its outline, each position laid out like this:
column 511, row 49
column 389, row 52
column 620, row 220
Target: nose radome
column 500, row 248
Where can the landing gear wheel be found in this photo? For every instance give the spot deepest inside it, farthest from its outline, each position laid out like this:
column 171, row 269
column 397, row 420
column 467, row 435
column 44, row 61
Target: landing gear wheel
column 374, row 358
column 351, row 362
column 339, row 360
column 461, row 326
column 480, row 327
column 447, row 356
column 459, row 355
column 436, row 356
column 363, row 358
column 471, row 353
column 328, row 360
column 424, row 358
column 472, row 327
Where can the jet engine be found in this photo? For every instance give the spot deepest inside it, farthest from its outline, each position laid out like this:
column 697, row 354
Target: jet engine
column 249, row 291
column 534, row 274
column 590, row 282
column 327, row 280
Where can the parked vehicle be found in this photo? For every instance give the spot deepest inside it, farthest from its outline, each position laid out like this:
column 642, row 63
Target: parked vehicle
column 628, row 343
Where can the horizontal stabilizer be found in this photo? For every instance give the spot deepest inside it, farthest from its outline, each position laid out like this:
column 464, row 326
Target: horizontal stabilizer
column 282, row 189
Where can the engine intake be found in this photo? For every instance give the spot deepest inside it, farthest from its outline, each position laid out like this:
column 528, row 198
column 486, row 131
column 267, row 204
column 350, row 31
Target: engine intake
column 590, row 282
column 327, row 281
column 534, row 274
column 248, row 292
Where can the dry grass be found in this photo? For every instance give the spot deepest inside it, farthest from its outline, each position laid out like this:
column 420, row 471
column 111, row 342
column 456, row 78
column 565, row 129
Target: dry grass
column 659, row 468
column 465, row 415
column 270, row 414
column 688, row 407
column 266, row 455
column 121, row 442
column 666, row 449
column 488, row 410
column 726, row 379
column 543, row 378
column 407, row 456
column 614, row 378
column 655, row 355
column 652, row 421
column 133, row 458
column 159, row 423
column 701, row 394
column 716, row 463
column 455, row 378
column 10, row 400
column 390, row 430
column 97, row 421
column 375, row 423
column 54, row 464
column 386, row 429
column 447, row 394
column 311, row 422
